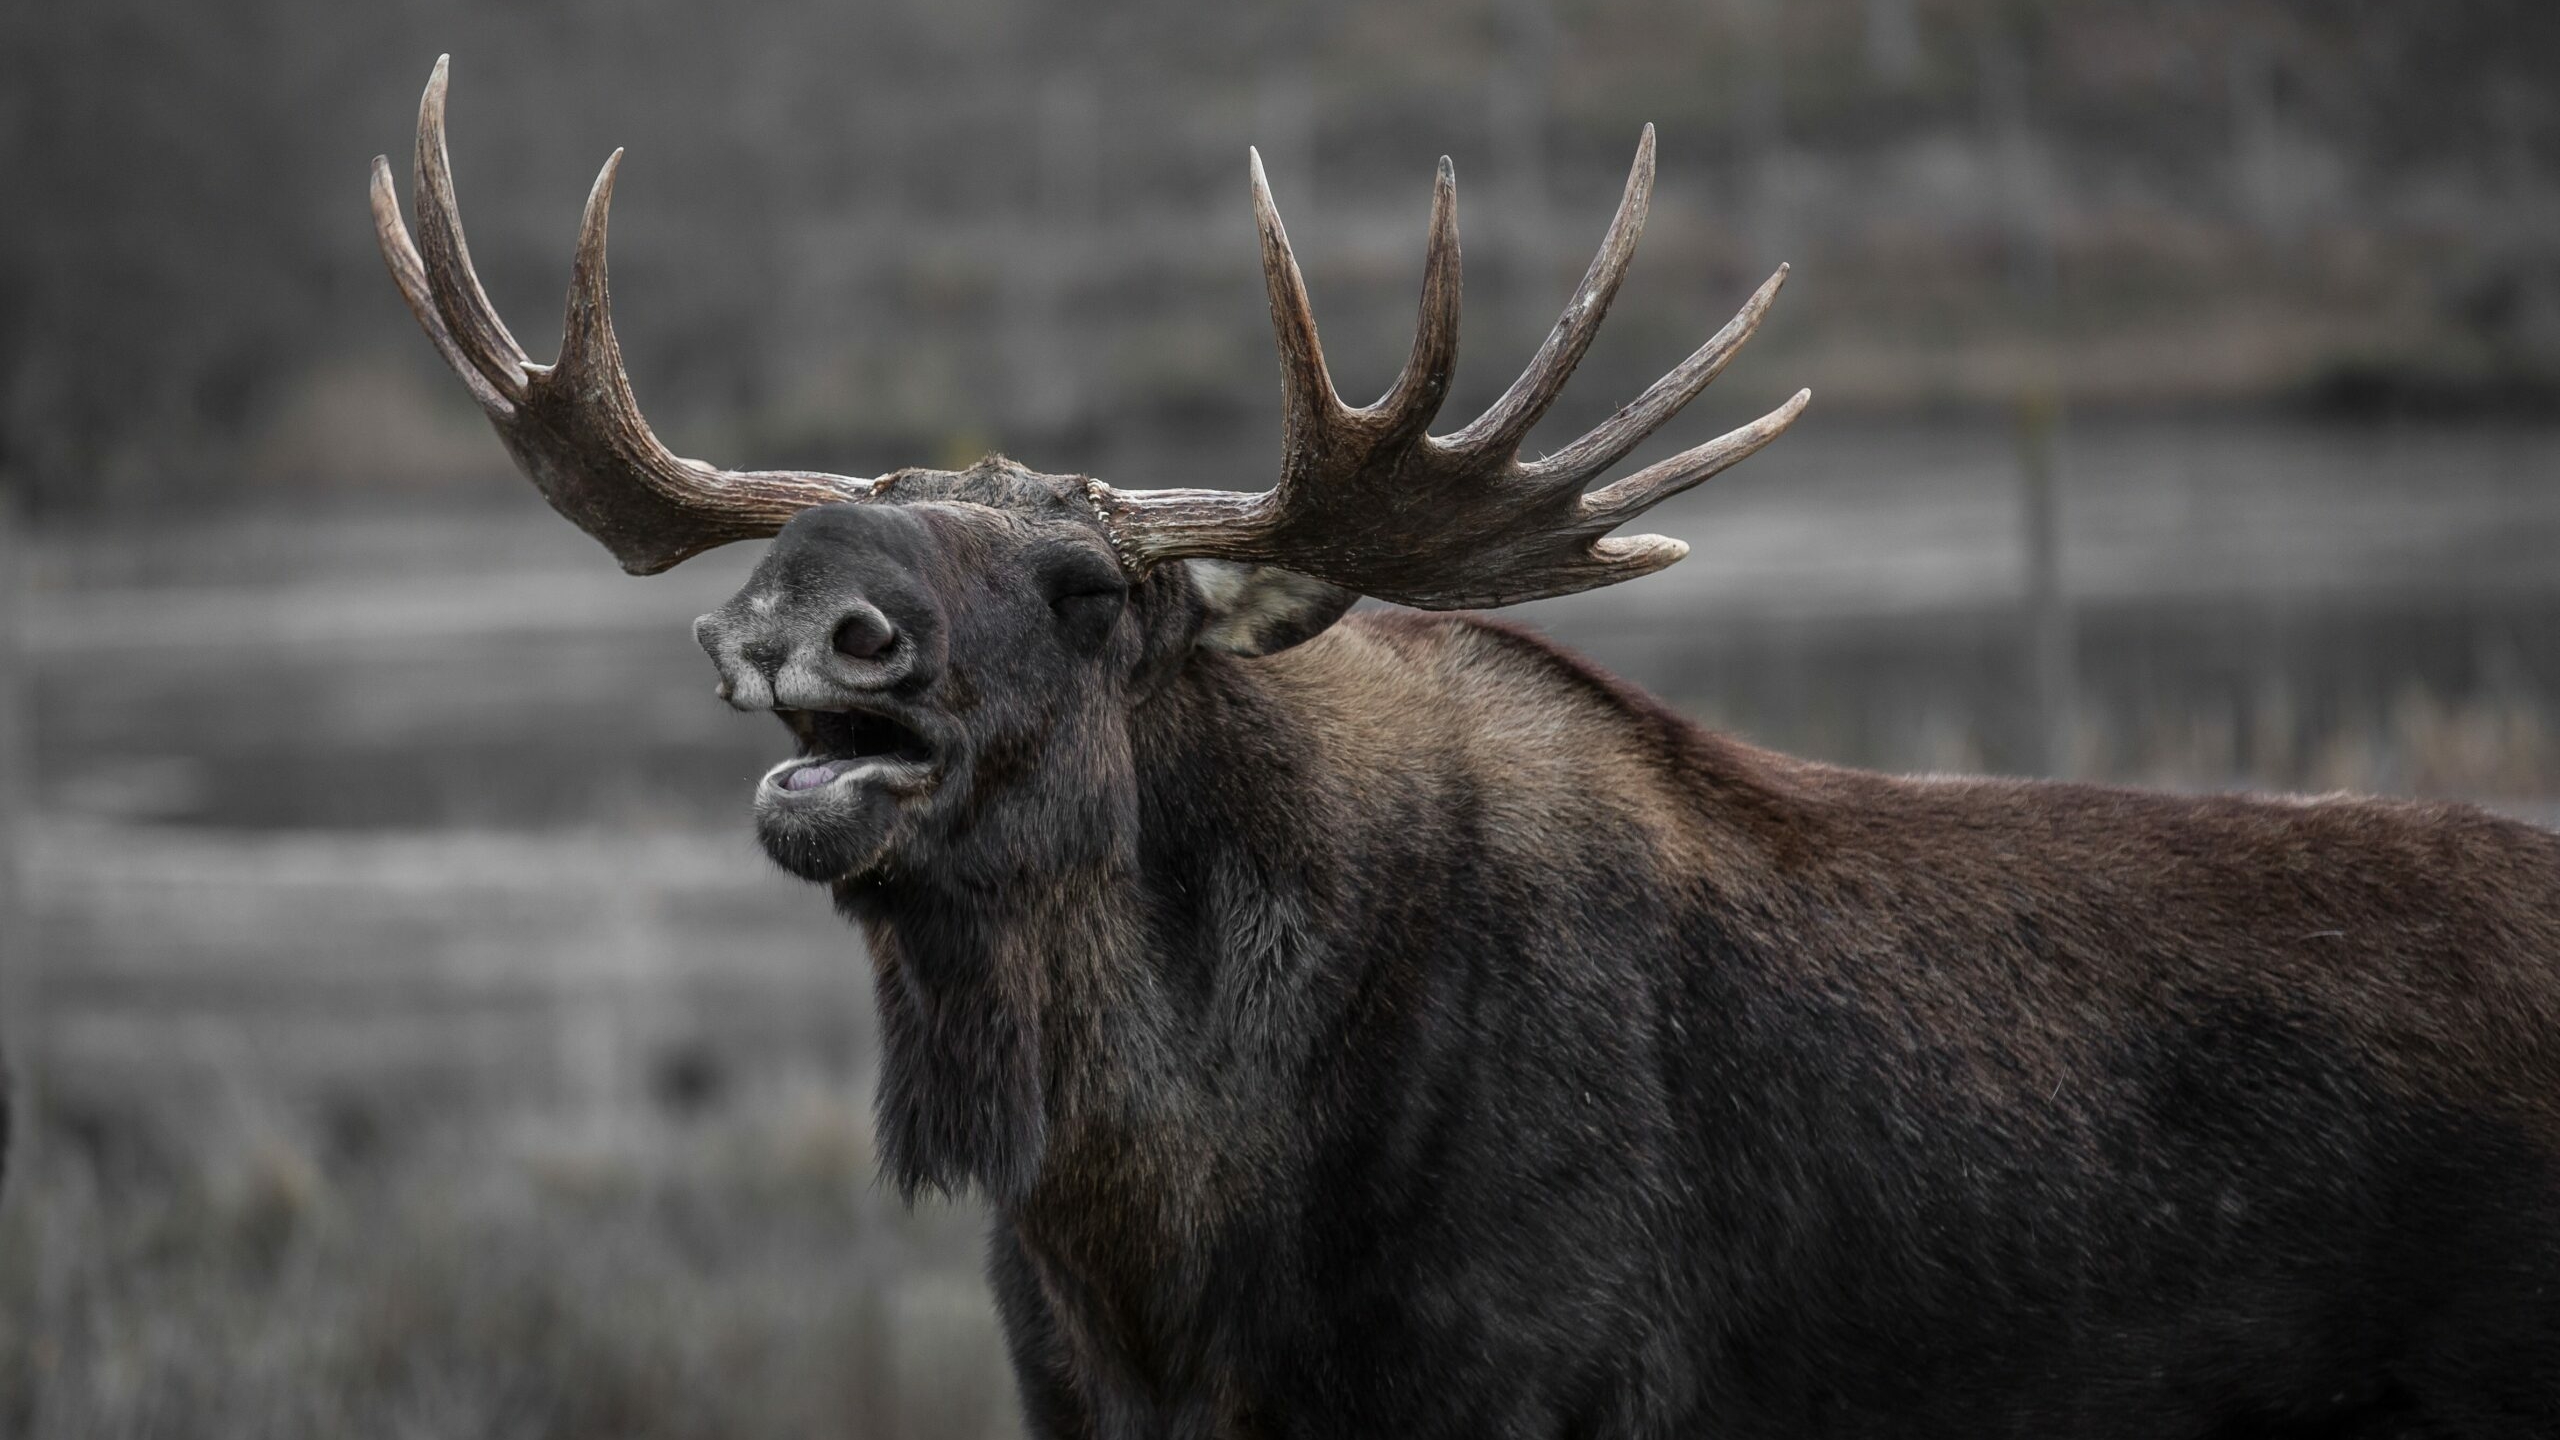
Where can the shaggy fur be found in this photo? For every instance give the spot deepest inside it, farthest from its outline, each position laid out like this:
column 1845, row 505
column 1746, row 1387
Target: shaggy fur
column 1417, row 1032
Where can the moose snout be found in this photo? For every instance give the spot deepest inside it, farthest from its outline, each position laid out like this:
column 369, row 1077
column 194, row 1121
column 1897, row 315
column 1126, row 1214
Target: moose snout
column 776, row 656
column 839, row 609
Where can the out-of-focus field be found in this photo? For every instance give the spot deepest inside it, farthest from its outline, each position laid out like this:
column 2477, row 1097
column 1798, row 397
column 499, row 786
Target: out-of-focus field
column 417, row 1044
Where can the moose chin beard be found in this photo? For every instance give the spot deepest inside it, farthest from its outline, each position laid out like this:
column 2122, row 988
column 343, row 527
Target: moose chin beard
column 830, row 820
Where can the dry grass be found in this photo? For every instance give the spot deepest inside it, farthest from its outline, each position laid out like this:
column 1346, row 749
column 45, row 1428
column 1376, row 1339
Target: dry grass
column 2498, row 748
column 736, row 1274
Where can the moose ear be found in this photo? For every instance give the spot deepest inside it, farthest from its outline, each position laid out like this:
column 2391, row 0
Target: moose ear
column 1259, row 610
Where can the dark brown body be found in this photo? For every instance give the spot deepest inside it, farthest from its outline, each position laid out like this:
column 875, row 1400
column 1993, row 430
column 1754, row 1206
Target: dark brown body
column 1452, row 1041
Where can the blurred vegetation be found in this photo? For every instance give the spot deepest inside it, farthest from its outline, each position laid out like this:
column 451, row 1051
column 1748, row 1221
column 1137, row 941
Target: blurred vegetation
column 691, row 1273
column 864, row 236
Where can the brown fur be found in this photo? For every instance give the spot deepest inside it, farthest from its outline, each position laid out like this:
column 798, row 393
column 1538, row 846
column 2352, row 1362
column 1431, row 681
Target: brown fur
column 1417, row 1030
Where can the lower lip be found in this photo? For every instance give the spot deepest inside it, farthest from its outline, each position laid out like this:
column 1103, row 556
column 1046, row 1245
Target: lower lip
column 810, row 777
column 807, row 778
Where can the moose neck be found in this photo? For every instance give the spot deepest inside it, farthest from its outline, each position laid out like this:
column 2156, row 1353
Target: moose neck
column 1097, row 1024
column 1122, row 1021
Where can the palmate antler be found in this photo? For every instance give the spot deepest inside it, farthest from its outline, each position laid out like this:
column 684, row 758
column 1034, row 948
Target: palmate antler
column 1367, row 499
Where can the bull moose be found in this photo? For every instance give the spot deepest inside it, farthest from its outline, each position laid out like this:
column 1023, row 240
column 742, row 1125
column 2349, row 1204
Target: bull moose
column 1390, row 1024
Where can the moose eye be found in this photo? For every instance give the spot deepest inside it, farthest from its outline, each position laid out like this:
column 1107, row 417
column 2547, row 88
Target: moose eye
column 1080, row 574
column 1103, row 597
column 1083, row 602
column 1086, row 616
column 1086, row 591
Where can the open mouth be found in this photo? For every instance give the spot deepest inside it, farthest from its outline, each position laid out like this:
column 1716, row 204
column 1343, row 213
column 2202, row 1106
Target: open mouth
column 839, row 746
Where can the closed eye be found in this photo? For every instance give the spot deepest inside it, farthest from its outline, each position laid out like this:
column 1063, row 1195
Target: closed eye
column 1083, row 578
column 1089, row 609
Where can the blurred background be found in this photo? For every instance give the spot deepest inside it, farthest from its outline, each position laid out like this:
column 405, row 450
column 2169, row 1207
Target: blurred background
column 409, row 1039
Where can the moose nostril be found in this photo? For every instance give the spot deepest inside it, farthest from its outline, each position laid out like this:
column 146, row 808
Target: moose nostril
column 864, row 634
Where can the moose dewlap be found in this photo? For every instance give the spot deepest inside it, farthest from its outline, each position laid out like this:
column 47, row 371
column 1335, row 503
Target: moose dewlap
column 1388, row 1024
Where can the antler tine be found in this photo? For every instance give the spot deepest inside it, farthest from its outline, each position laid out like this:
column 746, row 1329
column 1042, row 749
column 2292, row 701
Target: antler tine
column 1306, row 387
column 1499, row 430
column 468, row 316
column 409, row 272
column 590, row 354
column 1413, row 402
column 1620, row 501
column 573, row 427
column 1628, row 557
column 1610, row 440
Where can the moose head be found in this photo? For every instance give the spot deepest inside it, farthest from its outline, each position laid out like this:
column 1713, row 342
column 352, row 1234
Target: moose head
column 955, row 652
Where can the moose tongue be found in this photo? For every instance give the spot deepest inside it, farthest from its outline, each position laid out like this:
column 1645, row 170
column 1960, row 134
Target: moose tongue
column 810, row 777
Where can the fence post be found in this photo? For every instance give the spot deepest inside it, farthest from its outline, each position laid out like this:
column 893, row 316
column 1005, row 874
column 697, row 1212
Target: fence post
column 21, row 972
column 2051, row 634
column 1518, row 110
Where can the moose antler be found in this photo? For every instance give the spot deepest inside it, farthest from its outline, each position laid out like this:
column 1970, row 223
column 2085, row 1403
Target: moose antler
column 573, row 426
column 1368, row 499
